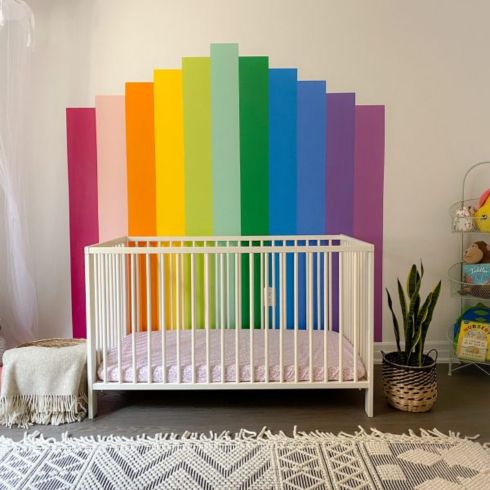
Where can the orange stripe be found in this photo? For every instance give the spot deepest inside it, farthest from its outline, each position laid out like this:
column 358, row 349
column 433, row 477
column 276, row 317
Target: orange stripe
column 140, row 151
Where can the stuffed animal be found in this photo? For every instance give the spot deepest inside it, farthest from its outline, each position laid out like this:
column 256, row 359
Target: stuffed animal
column 479, row 291
column 482, row 215
column 464, row 219
column 478, row 253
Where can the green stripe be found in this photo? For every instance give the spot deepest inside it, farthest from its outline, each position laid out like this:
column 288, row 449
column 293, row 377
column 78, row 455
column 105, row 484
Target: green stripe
column 196, row 75
column 254, row 144
column 254, row 167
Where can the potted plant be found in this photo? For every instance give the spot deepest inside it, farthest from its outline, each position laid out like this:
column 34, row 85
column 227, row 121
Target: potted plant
column 409, row 375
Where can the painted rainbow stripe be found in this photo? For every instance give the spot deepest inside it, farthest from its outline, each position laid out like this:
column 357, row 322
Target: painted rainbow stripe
column 224, row 145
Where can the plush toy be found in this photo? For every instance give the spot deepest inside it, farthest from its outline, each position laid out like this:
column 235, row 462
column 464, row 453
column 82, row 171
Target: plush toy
column 463, row 221
column 479, row 291
column 478, row 253
column 482, row 215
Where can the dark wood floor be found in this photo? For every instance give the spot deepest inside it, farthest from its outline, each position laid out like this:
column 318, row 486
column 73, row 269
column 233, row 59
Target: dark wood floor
column 463, row 406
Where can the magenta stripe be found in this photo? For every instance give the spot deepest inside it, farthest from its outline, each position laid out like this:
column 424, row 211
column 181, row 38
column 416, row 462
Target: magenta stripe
column 368, row 193
column 82, row 182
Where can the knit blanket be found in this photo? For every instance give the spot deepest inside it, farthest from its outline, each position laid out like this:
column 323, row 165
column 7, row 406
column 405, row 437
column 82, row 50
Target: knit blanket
column 43, row 385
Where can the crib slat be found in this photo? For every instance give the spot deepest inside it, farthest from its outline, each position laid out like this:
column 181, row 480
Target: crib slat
column 309, row 299
column 318, row 290
column 108, row 305
column 362, row 321
column 193, row 316
column 206, row 313
column 326, row 308
column 237, row 317
column 133, row 315
column 261, row 286
column 222, row 316
column 100, row 299
column 355, row 300
column 266, row 310
column 178, row 311
column 138, row 292
column 148, row 316
column 270, row 310
column 227, row 294
column 111, row 304
column 251, row 314
column 105, row 318
column 217, row 316
column 163, row 320
column 295, row 315
column 120, row 297
column 172, row 284
column 341, row 315
column 282, row 312
column 183, row 288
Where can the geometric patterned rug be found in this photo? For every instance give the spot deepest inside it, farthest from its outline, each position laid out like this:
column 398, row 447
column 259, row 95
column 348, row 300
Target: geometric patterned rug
column 429, row 461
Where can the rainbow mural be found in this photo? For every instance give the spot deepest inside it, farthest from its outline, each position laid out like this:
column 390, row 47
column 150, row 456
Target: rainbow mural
column 224, row 145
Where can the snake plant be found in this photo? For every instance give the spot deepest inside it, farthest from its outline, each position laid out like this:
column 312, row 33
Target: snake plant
column 416, row 316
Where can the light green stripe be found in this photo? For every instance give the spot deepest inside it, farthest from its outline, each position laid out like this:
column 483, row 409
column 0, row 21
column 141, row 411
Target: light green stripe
column 196, row 80
column 225, row 139
column 196, row 75
column 226, row 152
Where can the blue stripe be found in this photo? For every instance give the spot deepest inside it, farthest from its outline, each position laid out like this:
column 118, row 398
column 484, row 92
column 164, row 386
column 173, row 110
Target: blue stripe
column 311, row 157
column 311, row 200
column 283, row 171
column 282, row 151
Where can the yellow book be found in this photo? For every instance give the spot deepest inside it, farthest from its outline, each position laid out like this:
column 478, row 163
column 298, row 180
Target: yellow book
column 474, row 341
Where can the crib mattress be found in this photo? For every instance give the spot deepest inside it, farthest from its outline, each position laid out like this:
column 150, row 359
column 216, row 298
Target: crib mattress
column 141, row 342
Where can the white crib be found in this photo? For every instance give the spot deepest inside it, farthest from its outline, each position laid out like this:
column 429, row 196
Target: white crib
column 263, row 312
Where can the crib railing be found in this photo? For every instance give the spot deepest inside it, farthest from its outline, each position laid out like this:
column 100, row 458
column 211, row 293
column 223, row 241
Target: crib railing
column 203, row 287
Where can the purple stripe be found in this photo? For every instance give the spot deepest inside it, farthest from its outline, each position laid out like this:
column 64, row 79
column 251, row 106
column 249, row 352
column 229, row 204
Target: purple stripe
column 341, row 110
column 368, row 193
column 340, row 163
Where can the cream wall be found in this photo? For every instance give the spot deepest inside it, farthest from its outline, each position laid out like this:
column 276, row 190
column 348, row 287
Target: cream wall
column 426, row 60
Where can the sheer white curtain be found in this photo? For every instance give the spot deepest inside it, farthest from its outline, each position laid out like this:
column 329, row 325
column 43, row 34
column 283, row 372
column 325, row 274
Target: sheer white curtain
column 18, row 305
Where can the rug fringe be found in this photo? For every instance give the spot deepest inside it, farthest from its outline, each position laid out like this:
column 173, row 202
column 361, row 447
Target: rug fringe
column 264, row 435
column 25, row 410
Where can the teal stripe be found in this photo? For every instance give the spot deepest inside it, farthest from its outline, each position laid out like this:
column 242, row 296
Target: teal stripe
column 225, row 139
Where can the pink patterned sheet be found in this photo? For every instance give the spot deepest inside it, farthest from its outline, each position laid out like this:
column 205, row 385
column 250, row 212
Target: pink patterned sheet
column 141, row 339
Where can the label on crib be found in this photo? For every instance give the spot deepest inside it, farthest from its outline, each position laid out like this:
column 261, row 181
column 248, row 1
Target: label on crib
column 269, row 297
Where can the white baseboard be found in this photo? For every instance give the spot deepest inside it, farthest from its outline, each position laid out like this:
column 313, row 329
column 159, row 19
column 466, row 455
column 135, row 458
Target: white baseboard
column 442, row 347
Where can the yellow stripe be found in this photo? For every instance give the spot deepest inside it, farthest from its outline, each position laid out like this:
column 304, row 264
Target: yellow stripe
column 169, row 161
column 169, row 152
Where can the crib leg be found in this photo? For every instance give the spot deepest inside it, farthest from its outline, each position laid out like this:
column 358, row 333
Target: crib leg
column 369, row 401
column 92, row 403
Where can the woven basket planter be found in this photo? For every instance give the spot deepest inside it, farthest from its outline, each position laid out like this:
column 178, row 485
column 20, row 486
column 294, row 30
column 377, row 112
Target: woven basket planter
column 410, row 388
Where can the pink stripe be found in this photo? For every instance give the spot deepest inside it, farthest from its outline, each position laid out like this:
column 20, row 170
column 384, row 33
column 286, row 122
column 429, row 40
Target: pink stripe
column 111, row 167
column 82, row 182
column 368, row 193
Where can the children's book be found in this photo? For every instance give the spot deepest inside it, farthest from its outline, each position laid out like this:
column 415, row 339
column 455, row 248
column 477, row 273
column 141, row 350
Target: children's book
column 476, row 273
column 473, row 341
